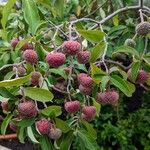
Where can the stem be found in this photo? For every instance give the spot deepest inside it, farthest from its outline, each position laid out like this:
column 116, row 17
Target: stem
column 141, row 15
column 145, row 48
column 70, row 31
column 8, row 136
column 134, row 37
column 141, row 3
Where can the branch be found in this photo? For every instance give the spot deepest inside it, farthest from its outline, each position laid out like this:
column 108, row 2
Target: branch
column 141, row 3
column 58, row 90
column 8, row 136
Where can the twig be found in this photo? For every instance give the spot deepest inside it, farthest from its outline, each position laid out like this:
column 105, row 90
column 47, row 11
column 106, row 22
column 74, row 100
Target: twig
column 58, row 90
column 145, row 48
column 141, row 3
column 141, row 15
column 8, row 136
column 146, row 88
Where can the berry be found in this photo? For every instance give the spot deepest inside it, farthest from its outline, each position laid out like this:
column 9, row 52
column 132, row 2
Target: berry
column 87, row 118
column 12, row 126
column 43, row 126
column 27, row 109
column 14, row 42
column 71, row 47
column 35, row 78
column 83, row 57
column 21, row 71
column 27, row 46
column 55, row 133
column 55, row 59
column 81, row 76
column 141, row 78
column 89, row 111
column 30, row 56
column 108, row 97
column 143, row 28
column 5, row 106
column 72, row 106
column 130, row 42
column 86, row 81
column 85, row 90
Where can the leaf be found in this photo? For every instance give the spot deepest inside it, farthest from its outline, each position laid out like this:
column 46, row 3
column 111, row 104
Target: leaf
column 121, row 84
column 15, row 82
column 127, row 49
column 45, row 143
column 26, row 122
column 134, row 70
column 5, row 93
column 115, row 20
column 67, row 141
column 92, row 35
column 98, row 107
column 21, row 135
column 6, row 12
column 52, row 111
column 5, row 123
column 31, row 16
column 62, row 125
column 38, row 94
column 59, row 71
column 96, row 73
column 90, row 129
column 31, row 135
column 59, row 7
column 104, row 81
column 97, row 51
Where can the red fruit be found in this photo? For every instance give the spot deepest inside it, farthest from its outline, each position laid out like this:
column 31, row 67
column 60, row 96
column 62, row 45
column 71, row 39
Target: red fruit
column 27, row 46
column 87, row 118
column 43, row 126
column 55, row 133
column 141, row 78
column 27, row 109
column 86, row 81
column 21, row 71
column 5, row 106
column 35, row 78
column 12, row 126
column 14, row 42
column 108, row 97
column 71, row 47
column 30, row 56
column 72, row 106
column 83, row 57
column 89, row 111
column 55, row 59
column 81, row 76
column 85, row 90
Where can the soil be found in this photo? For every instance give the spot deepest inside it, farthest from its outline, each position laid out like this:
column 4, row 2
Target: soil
column 16, row 145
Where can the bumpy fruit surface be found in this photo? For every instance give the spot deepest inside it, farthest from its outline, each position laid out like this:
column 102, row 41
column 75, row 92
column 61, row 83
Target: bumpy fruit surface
column 83, row 57
column 27, row 46
column 14, row 42
column 86, row 81
column 27, row 109
column 43, row 126
column 87, row 118
column 30, row 56
column 55, row 59
column 108, row 97
column 71, row 47
column 72, row 106
column 89, row 111
column 141, row 78
column 21, row 70
column 143, row 28
column 85, row 90
column 12, row 126
column 55, row 133
column 5, row 106
column 130, row 42
column 81, row 76
column 35, row 78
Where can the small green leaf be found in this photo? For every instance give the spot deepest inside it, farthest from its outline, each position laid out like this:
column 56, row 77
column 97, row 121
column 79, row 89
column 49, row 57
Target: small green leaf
column 62, row 125
column 128, row 50
column 6, row 12
column 38, row 94
column 31, row 135
column 134, row 70
column 45, row 143
column 52, row 111
column 104, row 81
column 21, row 134
column 59, row 71
column 15, row 82
column 97, row 51
column 5, row 123
column 92, row 35
column 26, row 122
column 115, row 20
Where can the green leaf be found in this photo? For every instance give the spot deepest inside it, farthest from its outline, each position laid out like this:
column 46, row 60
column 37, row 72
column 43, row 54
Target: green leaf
column 21, row 134
column 59, row 71
column 97, row 51
column 15, row 82
column 38, row 94
column 115, row 20
column 67, row 141
column 5, row 123
column 31, row 16
column 62, row 125
column 104, row 81
column 59, row 7
column 31, row 135
column 45, row 143
column 5, row 93
column 98, row 107
column 26, row 122
column 6, row 12
column 52, row 111
column 134, row 70
column 90, row 129
column 121, row 84
column 127, row 49
column 92, row 35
